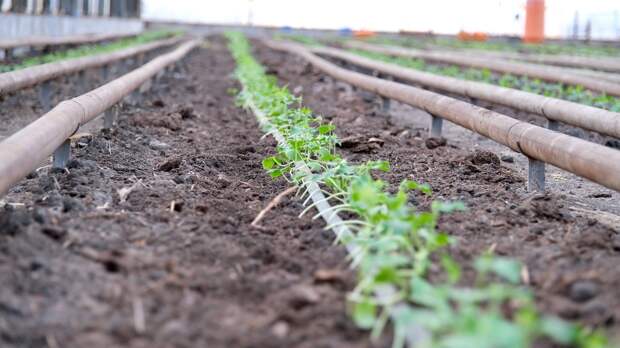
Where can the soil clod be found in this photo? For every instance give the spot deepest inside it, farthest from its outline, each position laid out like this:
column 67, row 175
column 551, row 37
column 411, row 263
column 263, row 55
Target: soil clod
column 583, row 290
column 170, row 164
column 433, row 143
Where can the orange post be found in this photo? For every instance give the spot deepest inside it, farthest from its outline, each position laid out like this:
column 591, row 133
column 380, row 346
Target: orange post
column 363, row 33
column 534, row 21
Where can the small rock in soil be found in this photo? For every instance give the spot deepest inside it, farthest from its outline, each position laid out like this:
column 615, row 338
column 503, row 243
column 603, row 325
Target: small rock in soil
column 13, row 222
column 201, row 208
column 187, row 113
column 78, row 163
column 302, row 296
column 71, row 204
column 100, row 198
column 54, row 232
column 158, row 145
column 546, row 206
column 159, row 103
column 245, row 149
column 483, row 157
column 507, row 158
column 433, row 143
column 376, row 141
column 583, row 290
column 537, row 229
column 280, row 329
column 600, row 195
column 351, row 141
column 180, row 179
column 171, row 121
column 328, row 275
column 169, row 164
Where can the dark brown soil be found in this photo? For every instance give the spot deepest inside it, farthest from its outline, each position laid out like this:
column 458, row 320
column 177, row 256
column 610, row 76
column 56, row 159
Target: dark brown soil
column 174, row 262
column 146, row 240
column 571, row 262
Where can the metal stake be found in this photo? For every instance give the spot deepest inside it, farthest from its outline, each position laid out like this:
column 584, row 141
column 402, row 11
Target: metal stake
column 385, row 104
column 130, row 63
column 535, row 175
column 62, row 155
column 8, row 54
column 123, row 66
column 80, row 86
column 45, row 94
column 436, row 125
column 105, row 72
column 108, row 117
column 553, row 125
column 136, row 96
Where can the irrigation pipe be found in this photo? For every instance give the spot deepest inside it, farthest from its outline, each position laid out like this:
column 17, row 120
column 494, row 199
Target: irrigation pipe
column 23, row 151
column 542, row 72
column 607, row 76
column 583, row 116
column 19, row 79
column 577, row 69
column 62, row 40
column 600, row 63
column 592, row 161
column 414, row 333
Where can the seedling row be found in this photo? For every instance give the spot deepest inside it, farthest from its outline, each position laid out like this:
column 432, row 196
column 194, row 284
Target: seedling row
column 397, row 245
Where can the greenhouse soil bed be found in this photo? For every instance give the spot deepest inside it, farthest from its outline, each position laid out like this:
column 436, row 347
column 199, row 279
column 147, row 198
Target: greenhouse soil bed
column 146, row 240
column 570, row 259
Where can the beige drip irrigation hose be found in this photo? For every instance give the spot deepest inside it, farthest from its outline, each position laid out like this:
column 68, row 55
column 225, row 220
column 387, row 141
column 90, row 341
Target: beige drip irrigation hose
column 23, row 151
column 573, row 65
column 583, row 116
column 547, row 73
column 595, row 63
column 23, row 78
column 592, row 161
column 62, row 40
